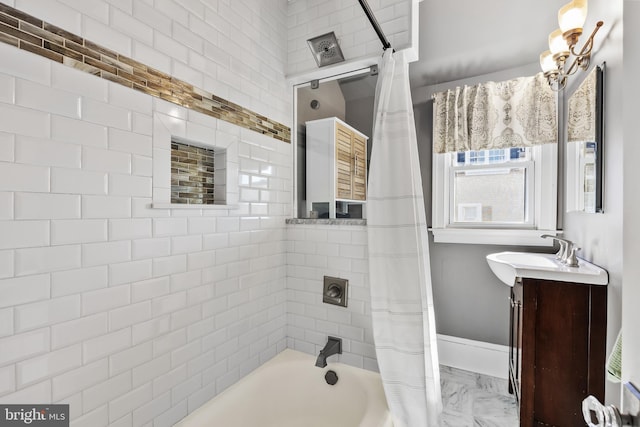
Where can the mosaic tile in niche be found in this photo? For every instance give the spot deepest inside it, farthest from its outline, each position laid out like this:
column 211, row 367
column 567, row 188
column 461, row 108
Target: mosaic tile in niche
column 193, row 174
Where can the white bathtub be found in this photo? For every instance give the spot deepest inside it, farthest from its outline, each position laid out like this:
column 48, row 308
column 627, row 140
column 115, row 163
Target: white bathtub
column 290, row 391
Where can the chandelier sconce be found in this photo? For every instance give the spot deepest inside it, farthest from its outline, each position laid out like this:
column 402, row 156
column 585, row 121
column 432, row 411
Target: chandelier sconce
column 562, row 45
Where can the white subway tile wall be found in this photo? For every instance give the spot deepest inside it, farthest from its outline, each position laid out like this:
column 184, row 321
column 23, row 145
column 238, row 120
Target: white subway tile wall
column 132, row 315
column 315, row 251
column 176, row 37
column 135, row 315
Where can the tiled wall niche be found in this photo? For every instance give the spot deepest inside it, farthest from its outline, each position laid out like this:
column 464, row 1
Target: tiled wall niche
column 188, row 126
column 193, row 173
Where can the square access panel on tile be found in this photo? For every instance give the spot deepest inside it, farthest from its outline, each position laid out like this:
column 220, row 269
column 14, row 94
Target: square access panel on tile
column 335, row 291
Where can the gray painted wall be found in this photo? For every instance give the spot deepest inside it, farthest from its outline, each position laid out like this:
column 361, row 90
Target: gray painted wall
column 468, row 299
column 601, row 235
column 470, row 302
column 631, row 238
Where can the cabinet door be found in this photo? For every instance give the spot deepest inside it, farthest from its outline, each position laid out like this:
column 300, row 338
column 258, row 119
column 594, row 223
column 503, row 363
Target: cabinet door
column 344, row 165
column 360, row 168
column 564, row 343
column 562, row 352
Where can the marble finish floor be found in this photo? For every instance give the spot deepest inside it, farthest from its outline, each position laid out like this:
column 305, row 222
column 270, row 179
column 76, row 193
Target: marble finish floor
column 474, row 400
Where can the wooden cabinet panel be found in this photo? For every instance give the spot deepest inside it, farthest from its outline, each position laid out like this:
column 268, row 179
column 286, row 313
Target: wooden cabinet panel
column 562, row 334
column 344, row 164
column 359, row 183
column 351, row 157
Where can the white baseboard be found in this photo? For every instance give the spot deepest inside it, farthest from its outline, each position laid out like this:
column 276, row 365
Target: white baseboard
column 475, row 356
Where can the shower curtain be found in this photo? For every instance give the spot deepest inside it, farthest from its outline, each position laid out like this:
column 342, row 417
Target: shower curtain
column 399, row 271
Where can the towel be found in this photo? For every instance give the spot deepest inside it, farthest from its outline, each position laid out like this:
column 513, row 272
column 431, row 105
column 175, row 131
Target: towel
column 614, row 362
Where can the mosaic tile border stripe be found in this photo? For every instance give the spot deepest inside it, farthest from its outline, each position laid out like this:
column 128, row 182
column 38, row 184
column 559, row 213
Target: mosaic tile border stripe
column 34, row 35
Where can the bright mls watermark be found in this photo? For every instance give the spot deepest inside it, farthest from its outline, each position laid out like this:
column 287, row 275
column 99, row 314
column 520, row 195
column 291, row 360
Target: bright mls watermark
column 34, row 415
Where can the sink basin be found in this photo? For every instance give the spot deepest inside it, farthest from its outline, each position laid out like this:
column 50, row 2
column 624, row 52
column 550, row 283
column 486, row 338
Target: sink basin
column 509, row 265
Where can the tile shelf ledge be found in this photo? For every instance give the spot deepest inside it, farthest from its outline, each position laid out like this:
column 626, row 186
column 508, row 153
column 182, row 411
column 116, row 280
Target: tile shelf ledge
column 326, row 221
column 190, row 206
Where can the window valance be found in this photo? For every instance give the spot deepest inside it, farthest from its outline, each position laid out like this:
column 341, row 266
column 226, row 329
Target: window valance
column 582, row 112
column 515, row 113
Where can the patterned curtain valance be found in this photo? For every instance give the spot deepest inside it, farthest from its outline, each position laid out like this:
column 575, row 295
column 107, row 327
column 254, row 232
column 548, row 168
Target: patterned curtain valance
column 516, row 113
column 581, row 125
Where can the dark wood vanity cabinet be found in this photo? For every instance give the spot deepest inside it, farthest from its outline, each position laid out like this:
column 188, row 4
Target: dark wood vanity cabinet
column 557, row 349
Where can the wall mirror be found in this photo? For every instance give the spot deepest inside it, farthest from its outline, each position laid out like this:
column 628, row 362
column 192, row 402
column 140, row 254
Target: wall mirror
column 334, row 120
column 585, row 145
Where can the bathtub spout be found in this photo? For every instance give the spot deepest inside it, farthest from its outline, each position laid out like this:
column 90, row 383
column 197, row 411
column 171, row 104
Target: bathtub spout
column 333, row 346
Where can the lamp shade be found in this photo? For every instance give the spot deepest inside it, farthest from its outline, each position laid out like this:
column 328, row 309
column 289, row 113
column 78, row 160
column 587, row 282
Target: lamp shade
column 557, row 44
column 572, row 15
column 546, row 61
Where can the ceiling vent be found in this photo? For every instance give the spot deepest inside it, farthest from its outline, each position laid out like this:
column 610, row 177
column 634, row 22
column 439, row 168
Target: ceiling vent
column 325, row 49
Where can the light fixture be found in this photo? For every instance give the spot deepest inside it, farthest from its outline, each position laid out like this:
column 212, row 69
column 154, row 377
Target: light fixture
column 571, row 18
column 562, row 45
column 558, row 46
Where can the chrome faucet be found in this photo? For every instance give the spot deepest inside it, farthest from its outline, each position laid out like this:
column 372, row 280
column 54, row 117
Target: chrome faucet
column 333, row 346
column 565, row 246
column 567, row 252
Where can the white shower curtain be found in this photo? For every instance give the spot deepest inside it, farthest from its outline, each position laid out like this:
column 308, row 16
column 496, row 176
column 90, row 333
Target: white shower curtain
column 399, row 271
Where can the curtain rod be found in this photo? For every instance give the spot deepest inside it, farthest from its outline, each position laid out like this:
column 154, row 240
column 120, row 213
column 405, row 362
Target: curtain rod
column 374, row 23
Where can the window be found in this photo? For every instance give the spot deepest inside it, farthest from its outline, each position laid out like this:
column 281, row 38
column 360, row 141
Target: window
column 492, row 187
column 495, row 196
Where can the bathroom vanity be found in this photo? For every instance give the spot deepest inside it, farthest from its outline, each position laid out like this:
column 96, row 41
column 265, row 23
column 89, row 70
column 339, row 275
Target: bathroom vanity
column 557, row 345
column 556, row 349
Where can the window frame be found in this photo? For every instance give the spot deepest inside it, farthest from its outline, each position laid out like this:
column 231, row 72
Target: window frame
column 544, row 159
